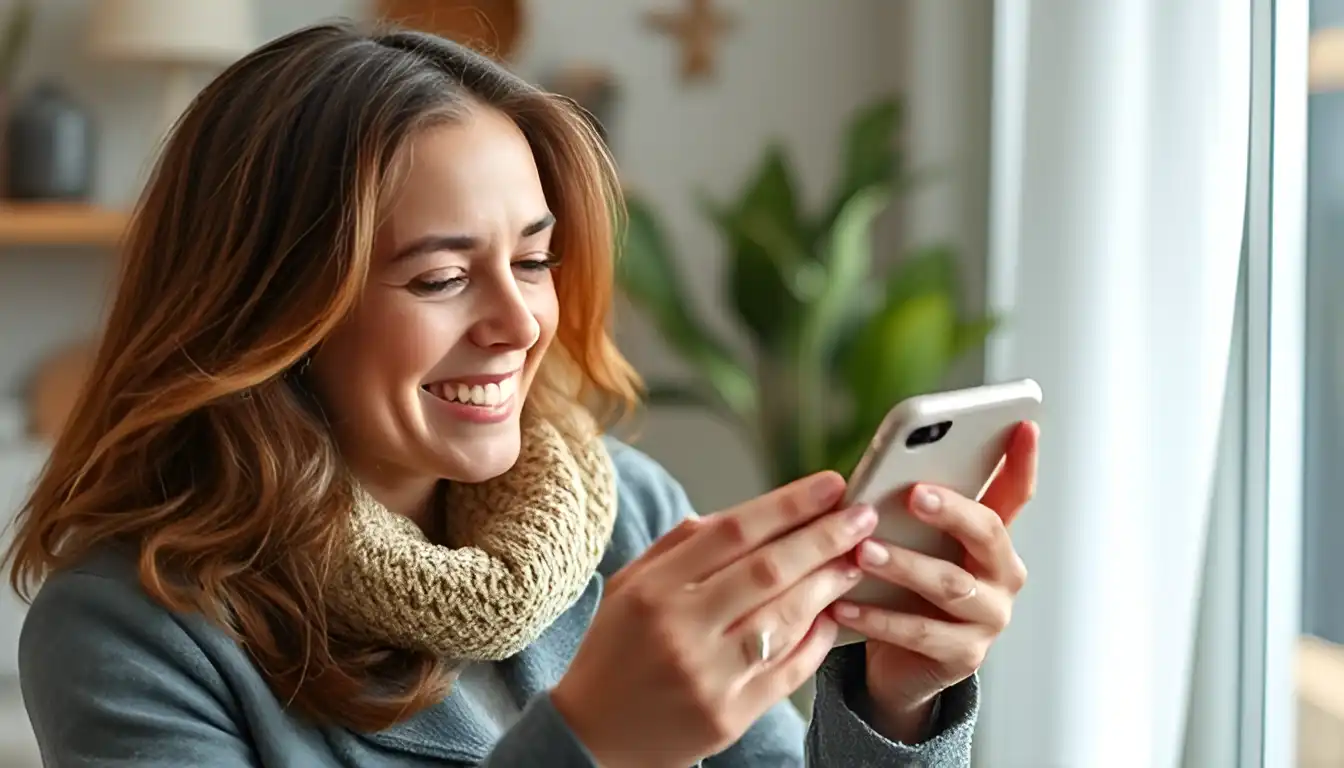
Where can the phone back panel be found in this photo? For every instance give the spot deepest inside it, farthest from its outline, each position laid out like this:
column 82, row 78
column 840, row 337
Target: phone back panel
column 963, row 460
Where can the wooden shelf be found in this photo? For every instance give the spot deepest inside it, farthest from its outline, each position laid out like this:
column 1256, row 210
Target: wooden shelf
column 59, row 224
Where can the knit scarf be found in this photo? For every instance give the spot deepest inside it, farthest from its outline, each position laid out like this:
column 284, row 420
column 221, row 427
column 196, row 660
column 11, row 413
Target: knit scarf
column 519, row 550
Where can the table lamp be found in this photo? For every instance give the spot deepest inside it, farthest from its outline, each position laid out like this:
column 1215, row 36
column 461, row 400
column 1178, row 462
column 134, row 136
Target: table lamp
column 181, row 37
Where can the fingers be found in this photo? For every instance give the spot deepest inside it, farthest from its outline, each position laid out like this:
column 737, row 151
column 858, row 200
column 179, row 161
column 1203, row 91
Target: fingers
column 772, row 570
column 1015, row 482
column 979, row 530
column 665, row 543
column 787, row 619
column 945, row 585
column 959, row 649
column 790, row 671
column 730, row 534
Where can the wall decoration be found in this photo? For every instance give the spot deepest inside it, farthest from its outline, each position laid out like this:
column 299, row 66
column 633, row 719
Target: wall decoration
column 698, row 28
column 493, row 27
column 594, row 88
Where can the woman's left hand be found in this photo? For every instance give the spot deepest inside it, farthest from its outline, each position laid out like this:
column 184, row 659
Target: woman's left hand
column 913, row 657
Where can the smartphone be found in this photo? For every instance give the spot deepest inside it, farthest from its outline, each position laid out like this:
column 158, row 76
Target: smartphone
column 957, row 440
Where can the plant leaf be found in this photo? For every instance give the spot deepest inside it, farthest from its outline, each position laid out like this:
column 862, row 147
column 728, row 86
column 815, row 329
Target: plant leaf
column 870, row 150
column 769, row 236
column 763, row 232
column 972, row 334
column 928, row 269
column 647, row 273
column 849, row 259
column 772, row 190
column 905, row 350
column 870, row 157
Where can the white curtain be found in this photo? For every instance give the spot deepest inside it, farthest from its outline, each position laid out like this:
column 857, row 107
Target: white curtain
column 1118, row 195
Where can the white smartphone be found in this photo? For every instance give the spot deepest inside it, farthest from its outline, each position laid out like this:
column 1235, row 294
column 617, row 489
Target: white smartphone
column 956, row 440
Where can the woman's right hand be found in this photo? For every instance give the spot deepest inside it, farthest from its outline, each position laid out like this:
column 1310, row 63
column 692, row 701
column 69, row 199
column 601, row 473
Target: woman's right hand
column 670, row 670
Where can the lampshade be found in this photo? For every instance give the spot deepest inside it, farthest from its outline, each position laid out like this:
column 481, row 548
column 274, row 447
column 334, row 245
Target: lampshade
column 1325, row 62
column 173, row 32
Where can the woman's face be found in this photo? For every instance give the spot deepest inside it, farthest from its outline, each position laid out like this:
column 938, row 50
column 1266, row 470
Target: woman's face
column 427, row 378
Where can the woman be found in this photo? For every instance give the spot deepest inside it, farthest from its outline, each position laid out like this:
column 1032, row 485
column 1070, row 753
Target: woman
column 335, row 493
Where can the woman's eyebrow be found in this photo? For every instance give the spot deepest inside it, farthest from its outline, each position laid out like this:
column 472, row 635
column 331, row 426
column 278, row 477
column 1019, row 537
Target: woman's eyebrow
column 438, row 242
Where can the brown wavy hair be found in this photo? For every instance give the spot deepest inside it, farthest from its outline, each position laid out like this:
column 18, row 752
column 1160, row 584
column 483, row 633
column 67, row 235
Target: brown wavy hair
column 191, row 446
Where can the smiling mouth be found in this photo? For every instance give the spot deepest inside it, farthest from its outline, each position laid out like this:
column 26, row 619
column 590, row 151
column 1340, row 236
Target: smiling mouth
column 491, row 395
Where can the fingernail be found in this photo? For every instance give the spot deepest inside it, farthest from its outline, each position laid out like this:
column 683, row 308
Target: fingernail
column 872, row 553
column 860, row 517
column 927, row 501
column 846, row 611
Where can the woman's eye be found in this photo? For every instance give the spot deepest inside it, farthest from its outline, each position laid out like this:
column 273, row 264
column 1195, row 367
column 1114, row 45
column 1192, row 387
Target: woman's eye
column 539, row 263
column 431, row 286
column 532, row 268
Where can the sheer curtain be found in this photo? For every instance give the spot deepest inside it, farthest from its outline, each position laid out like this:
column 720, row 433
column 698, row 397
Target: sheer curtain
column 1118, row 203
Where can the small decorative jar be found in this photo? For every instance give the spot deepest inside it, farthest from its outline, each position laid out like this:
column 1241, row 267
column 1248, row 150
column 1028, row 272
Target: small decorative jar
column 50, row 147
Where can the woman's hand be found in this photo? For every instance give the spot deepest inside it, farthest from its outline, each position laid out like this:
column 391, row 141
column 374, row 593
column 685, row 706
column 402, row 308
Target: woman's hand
column 719, row 620
column 912, row 657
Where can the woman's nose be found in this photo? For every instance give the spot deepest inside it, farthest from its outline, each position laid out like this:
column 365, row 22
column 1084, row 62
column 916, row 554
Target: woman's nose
column 506, row 320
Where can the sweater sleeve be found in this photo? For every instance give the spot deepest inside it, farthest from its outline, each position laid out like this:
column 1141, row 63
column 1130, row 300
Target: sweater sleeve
column 838, row 736
column 109, row 680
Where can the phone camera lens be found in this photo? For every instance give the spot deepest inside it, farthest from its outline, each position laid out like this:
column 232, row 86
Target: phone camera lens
column 930, row 433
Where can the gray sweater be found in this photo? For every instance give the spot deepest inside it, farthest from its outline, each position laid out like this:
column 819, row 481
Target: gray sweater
column 112, row 679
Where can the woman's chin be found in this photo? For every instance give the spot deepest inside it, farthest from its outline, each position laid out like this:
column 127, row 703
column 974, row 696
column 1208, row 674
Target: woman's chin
column 480, row 459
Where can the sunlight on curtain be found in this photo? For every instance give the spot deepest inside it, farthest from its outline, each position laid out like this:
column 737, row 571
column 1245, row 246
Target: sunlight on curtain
column 1118, row 199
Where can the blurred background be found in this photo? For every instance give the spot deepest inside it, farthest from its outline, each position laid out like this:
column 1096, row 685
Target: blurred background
column 836, row 205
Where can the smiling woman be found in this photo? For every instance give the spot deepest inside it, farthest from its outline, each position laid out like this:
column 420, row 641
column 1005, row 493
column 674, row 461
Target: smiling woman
column 303, row 278
column 337, row 492
column 461, row 305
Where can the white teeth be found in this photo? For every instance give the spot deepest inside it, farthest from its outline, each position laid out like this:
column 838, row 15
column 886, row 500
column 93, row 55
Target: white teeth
column 487, row 395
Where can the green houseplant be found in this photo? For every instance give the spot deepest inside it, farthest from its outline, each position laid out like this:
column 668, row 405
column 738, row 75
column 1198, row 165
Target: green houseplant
column 833, row 345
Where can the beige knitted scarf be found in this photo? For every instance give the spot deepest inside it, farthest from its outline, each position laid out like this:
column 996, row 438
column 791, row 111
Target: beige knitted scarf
column 519, row 550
